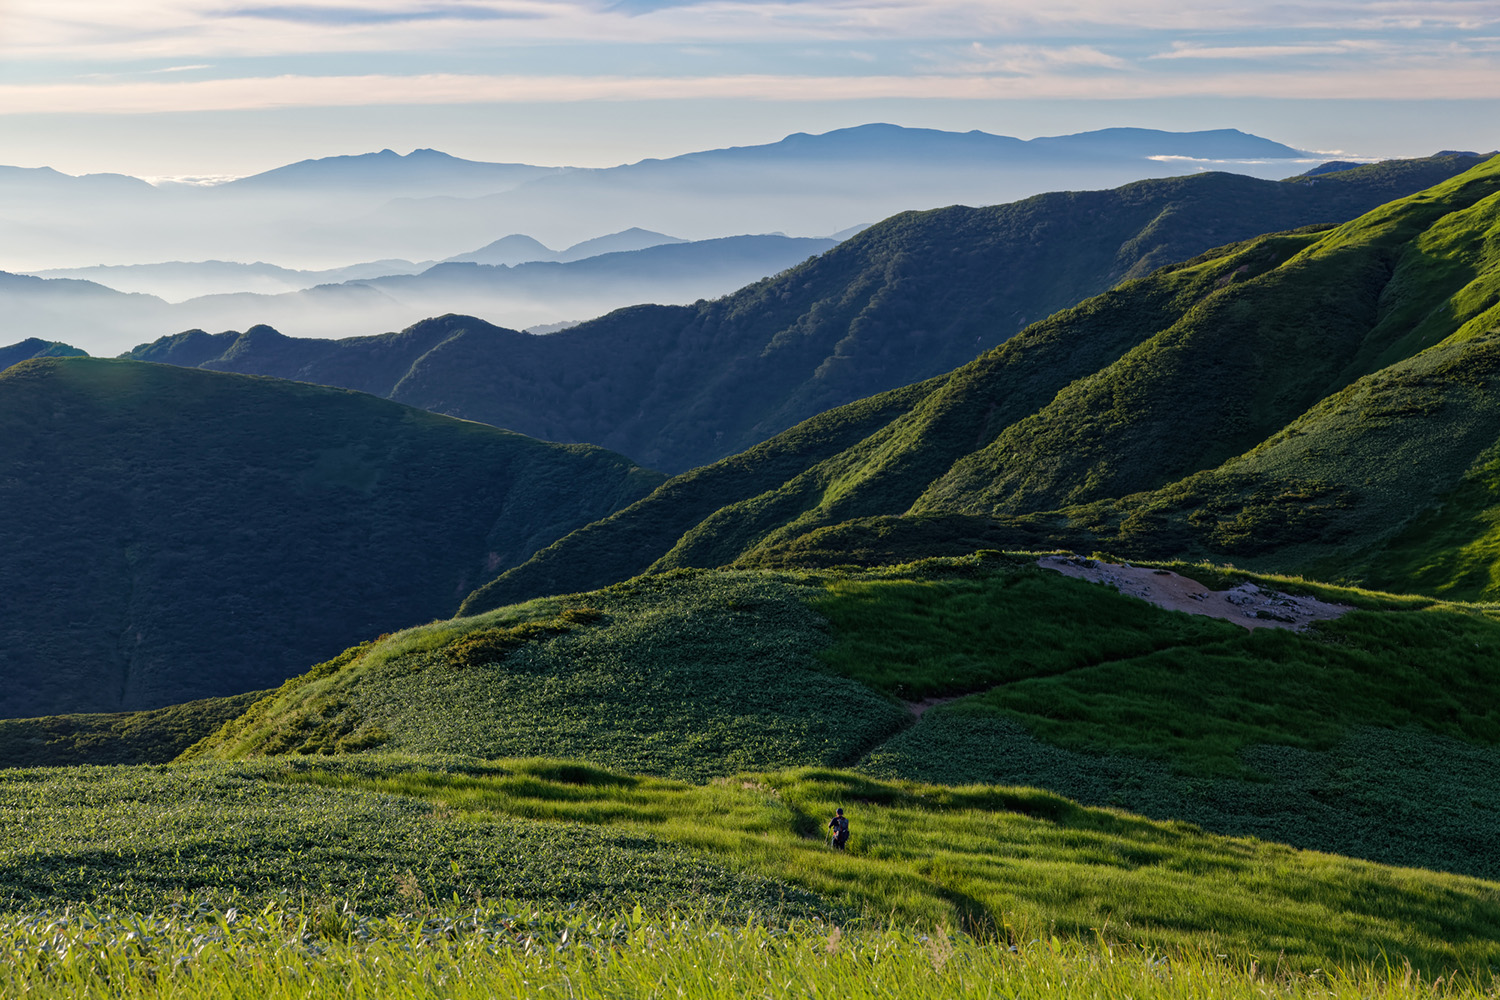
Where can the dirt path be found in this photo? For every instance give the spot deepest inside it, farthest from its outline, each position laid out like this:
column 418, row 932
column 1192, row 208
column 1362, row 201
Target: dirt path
column 918, row 707
column 1248, row 604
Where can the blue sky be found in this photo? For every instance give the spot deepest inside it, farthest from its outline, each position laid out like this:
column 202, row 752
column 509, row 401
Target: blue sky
column 192, row 87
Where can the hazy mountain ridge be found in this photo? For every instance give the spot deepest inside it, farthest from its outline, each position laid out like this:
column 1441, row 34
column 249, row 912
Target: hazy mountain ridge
column 319, row 214
column 179, row 534
column 110, row 322
column 176, row 281
column 1187, row 385
column 907, row 299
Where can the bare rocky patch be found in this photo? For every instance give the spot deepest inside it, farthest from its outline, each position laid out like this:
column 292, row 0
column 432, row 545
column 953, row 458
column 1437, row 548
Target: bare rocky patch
column 1248, row 604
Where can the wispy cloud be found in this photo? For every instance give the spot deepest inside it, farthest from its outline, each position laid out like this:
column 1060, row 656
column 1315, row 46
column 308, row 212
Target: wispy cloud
column 1438, row 81
column 1187, row 50
column 322, row 14
column 1029, row 60
column 775, row 50
column 198, row 29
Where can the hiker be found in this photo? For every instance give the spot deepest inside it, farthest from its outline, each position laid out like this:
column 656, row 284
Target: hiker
column 840, row 827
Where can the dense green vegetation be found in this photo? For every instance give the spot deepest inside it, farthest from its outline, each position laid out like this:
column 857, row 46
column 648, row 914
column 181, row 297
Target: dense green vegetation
column 1318, row 739
column 177, row 534
column 399, row 834
column 926, row 634
column 691, row 675
column 153, row 736
column 141, row 838
column 909, row 298
column 520, row 951
column 1297, row 402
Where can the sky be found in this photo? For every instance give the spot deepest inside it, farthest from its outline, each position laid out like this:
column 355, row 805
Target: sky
column 218, row 88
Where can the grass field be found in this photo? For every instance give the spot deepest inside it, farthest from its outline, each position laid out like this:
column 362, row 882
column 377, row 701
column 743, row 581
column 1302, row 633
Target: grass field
column 391, row 835
column 518, row 951
column 137, row 839
column 1371, row 736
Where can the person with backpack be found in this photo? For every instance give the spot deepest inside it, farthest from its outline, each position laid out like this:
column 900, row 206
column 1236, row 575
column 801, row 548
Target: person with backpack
column 840, row 827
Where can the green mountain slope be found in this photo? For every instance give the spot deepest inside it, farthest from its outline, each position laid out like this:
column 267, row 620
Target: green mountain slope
column 913, row 297
column 1370, row 736
column 151, row 736
column 177, row 534
column 1298, row 400
column 32, row 347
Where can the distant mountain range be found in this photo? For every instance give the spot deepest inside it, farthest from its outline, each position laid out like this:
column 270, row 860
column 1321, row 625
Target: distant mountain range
column 518, row 249
column 104, row 321
column 427, row 205
column 905, row 300
column 176, row 281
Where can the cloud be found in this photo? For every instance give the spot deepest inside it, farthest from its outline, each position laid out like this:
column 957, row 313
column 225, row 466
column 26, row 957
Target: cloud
column 1028, row 39
column 1438, row 81
column 1186, row 50
column 1031, row 60
column 320, row 14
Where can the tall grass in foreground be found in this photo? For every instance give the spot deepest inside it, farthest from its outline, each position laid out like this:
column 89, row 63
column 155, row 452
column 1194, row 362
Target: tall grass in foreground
column 284, row 954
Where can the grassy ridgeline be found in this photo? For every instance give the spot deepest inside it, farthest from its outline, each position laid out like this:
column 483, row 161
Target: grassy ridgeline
column 1371, row 736
column 522, row 952
column 694, row 675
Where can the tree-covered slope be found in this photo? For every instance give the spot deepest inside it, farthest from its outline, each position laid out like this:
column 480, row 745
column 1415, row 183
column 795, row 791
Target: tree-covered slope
column 1300, row 399
column 177, row 534
column 910, row 298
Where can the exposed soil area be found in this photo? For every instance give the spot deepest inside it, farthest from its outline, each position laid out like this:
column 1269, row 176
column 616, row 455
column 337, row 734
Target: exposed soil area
column 918, row 707
column 1248, row 604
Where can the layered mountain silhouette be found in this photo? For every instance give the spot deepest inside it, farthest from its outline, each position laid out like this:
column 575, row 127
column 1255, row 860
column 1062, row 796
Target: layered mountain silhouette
column 428, row 205
column 178, row 280
column 905, row 300
column 177, row 534
column 1320, row 400
column 520, row 249
column 104, row 321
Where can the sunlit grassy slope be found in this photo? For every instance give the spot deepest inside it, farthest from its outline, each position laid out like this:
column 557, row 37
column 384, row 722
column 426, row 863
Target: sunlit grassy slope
column 393, row 833
column 141, row 838
column 174, row 534
column 1374, row 735
column 505, row 949
column 1318, row 400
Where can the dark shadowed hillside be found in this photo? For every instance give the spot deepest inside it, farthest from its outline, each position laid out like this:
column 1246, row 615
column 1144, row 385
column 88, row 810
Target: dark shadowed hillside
column 1321, row 400
column 176, row 534
column 33, row 347
column 908, row 299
